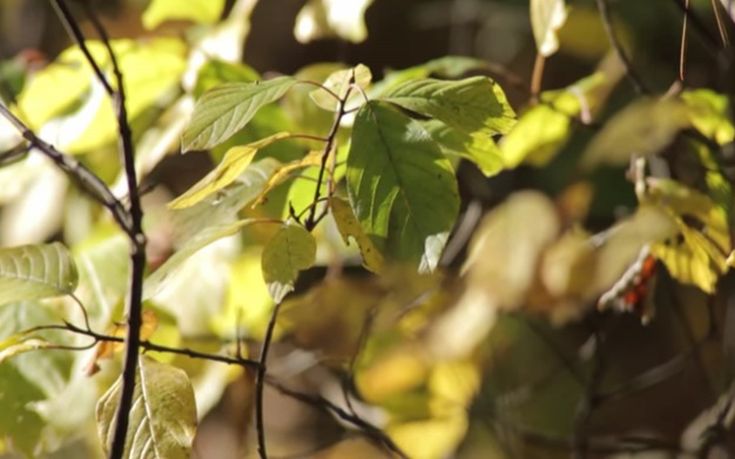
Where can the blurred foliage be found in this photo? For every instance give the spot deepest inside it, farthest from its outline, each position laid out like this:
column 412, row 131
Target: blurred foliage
column 482, row 240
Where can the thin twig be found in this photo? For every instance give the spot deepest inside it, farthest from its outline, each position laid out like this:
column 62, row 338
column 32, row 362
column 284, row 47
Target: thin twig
column 683, row 47
column 137, row 237
column 630, row 72
column 538, row 75
column 260, row 380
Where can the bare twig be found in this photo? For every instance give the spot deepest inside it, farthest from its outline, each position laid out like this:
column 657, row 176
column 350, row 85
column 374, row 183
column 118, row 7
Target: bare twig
column 683, row 47
column 260, row 380
column 135, row 213
column 630, row 72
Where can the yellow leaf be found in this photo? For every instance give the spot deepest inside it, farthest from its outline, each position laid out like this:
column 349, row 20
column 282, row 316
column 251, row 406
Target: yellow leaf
column 398, row 371
column 236, row 160
column 313, row 158
column 349, row 227
column 547, row 16
column 430, row 439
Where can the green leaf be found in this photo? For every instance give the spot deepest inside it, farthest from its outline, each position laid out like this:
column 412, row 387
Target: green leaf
column 710, row 114
column 290, row 251
column 547, row 16
column 475, row 104
column 200, row 11
column 236, row 160
column 225, row 109
column 402, row 189
column 332, row 18
column 163, row 416
column 642, row 128
column 339, row 83
column 349, row 227
column 478, row 148
column 156, row 281
column 36, row 271
column 22, row 425
column 217, row 72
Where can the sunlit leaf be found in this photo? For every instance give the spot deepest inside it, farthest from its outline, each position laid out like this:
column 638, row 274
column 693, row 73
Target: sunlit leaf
column 700, row 255
column 225, row 109
column 478, row 148
column 545, row 128
column 201, row 11
column 349, row 227
column 153, row 70
column 339, row 83
column 236, row 160
column 402, row 189
column 313, row 158
column 476, row 104
column 106, row 349
column 434, row 438
column 155, row 282
column 547, row 16
column 332, row 18
column 710, row 114
column 222, row 207
column 163, row 416
column 36, row 271
column 290, row 251
column 9, row 348
column 642, row 128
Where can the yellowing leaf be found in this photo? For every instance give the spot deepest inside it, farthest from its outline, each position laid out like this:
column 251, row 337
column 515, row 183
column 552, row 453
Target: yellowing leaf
column 398, row 371
column 201, row 11
column 313, row 158
column 163, row 416
column 430, row 439
column 642, row 128
column 339, row 84
column 11, row 348
column 349, row 227
column 227, row 108
column 236, row 160
column 290, row 251
column 547, row 16
column 106, row 349
column 700, row 255
column 710, row 114
column 36, row 271
column 332, row 18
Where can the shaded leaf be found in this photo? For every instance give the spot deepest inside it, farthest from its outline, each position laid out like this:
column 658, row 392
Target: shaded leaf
column 36, row 271
column 225, row 109
column 332, row 18
column 642, row 128
column 290, row 251
column 217, row 72
column 476, row 104
column 339, row 83
column 349, row 227
column 236, row 160
column 402, row 189
column 201, row 11
column 163, row 416
column 547, row 16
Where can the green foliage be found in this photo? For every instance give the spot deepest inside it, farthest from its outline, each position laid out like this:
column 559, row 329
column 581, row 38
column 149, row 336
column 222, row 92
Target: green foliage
column 202, row 11
column 224, row 110
column 402, row 189
column 163, row 418
column 291, row 250
column 36, row 271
